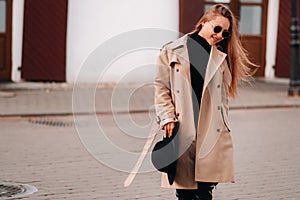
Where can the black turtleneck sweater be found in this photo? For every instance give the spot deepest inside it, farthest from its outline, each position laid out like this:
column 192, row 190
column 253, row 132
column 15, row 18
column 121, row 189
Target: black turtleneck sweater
column 199, row 50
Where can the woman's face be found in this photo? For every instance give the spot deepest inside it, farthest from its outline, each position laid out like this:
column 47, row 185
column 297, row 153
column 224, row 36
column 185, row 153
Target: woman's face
column 209, row 29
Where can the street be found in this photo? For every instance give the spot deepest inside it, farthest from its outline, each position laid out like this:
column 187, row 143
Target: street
column 59, row 157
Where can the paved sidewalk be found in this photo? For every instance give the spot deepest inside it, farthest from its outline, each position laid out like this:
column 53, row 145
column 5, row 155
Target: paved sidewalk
column 19, row 99
column 55, row 160
column 40, row 144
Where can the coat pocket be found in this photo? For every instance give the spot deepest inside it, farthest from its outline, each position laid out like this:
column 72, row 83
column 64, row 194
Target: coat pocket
column 225, row 119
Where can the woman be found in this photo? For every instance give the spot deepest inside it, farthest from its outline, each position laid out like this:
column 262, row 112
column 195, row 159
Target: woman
column 196, row 75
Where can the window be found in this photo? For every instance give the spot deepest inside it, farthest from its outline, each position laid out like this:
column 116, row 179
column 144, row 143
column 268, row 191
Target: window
column 2, row 15
column 220, row 1
column 251, row 1
column 250, row 20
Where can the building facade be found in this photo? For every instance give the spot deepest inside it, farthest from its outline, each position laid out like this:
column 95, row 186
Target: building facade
column 43, row 40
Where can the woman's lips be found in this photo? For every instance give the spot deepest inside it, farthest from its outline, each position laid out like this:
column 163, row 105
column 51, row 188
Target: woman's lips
column 215, row 39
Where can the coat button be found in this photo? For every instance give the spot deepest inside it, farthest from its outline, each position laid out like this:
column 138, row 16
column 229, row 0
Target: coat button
column 177, row 70
column 219, row 107
column 177, row 114
column 177, row 91
column 218, row 86
column 218, row 130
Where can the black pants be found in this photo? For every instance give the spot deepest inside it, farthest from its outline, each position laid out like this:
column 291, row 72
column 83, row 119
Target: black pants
column 204, row 192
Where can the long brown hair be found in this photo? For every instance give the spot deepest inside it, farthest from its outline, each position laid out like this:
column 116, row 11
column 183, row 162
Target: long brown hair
column 240, row 66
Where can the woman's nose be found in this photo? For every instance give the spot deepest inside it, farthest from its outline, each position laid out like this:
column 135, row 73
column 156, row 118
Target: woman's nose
column 220, row 35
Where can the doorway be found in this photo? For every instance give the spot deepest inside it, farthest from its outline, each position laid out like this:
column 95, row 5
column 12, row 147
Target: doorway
column 44, row 40
column 5, row 39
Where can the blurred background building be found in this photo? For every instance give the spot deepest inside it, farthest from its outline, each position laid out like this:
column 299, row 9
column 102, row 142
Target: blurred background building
column 49, row 40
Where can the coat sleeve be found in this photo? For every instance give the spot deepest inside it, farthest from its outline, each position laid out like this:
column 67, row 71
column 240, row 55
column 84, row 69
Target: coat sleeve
column 164, row 104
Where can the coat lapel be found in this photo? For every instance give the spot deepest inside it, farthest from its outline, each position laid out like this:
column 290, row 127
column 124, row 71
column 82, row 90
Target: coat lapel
column 215, row 60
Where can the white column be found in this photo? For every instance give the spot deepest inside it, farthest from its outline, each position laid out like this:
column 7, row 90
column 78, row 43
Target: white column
column 17, row 38
column 272, row 27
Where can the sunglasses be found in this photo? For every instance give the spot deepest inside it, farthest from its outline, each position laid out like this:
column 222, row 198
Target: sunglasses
column 218, row 29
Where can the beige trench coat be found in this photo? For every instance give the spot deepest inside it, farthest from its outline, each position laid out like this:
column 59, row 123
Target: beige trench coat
column 207, row 157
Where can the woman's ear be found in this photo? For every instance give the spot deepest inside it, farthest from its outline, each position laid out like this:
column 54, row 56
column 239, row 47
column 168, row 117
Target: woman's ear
column 200, row 27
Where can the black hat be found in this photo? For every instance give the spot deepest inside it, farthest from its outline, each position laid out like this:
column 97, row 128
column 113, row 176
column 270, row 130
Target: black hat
column 165, row 154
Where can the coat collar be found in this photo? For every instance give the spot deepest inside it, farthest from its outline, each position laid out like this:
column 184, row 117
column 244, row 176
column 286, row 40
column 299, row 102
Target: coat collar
column 179, row 51
column 179, row 54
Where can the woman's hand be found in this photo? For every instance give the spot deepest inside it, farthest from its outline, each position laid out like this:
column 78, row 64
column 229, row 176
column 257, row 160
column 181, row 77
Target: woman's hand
column 168, row 129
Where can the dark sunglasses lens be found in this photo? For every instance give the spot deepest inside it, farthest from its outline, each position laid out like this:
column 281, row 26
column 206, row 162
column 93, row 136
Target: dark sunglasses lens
column 217, row 29
column 226, row 34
